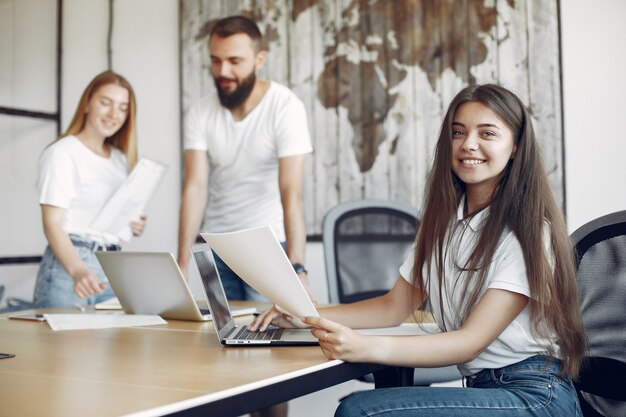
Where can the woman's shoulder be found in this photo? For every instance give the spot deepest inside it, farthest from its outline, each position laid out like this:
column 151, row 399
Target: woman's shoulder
column 66, row 144
column 63, row 148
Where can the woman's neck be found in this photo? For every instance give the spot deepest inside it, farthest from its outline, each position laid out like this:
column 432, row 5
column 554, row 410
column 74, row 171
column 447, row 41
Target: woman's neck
column 97, row 144
column 476, row 200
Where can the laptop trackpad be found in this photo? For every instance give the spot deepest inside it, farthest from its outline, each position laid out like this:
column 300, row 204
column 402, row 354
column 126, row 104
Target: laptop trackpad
column 298, row 335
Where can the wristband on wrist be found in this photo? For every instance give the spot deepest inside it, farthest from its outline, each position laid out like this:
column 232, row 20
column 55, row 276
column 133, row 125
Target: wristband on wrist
column 298, row 267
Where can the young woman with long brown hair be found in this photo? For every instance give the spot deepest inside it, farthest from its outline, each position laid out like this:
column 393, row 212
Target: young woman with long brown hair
column 493, row 258
column 79, row 172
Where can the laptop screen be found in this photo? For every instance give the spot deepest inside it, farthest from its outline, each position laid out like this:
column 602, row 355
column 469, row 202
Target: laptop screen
column 213, row 287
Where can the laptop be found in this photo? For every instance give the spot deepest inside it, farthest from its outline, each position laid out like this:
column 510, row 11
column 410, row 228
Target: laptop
column 229, row 333
column 152, row 283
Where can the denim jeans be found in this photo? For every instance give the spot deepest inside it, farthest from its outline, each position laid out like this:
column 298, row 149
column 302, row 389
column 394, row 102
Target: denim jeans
column 531, row 387
column 234, row 287
column 55, row 287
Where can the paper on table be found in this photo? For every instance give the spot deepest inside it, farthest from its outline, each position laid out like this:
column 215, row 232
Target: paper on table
column 110, row 304
column 259, row 259
column 100, row 321
column 130, row 200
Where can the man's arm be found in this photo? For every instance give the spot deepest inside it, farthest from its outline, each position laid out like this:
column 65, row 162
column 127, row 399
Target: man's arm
column 290, row 178
column 195, row 191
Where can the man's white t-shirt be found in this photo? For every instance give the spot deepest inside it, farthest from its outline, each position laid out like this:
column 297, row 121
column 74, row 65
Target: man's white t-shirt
column 507, row 272
column 243, row 157
column 76, row 179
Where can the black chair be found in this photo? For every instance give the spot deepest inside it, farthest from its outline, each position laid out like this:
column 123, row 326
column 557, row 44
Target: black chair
column 601, row 275
column 365, row 242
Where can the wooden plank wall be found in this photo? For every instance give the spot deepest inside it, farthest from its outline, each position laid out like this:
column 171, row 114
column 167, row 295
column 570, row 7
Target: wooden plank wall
column 376, row 77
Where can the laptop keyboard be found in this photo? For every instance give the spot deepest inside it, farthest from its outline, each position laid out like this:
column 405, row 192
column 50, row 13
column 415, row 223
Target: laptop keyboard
column 273, row 333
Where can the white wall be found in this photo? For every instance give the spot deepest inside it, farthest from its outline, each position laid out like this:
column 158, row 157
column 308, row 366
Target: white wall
column 27, row 81
column 594, row 87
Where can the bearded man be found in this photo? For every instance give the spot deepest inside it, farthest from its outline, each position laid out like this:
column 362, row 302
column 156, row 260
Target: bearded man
column 244, row 152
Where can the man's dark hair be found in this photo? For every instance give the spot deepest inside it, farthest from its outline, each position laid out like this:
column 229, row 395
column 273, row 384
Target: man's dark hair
column 233, row 25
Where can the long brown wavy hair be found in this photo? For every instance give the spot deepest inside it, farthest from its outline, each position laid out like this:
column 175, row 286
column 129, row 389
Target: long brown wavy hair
column 522, row 202
column 125, row 138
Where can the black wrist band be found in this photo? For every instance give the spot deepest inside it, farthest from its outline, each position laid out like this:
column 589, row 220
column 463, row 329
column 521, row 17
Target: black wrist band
column 298, row 267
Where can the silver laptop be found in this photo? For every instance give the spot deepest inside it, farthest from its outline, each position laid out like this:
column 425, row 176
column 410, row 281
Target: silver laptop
column 229, row 333
column 152, row 283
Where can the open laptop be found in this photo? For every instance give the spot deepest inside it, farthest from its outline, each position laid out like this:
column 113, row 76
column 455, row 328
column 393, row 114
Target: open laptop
column 152, row 283
column 229, row 333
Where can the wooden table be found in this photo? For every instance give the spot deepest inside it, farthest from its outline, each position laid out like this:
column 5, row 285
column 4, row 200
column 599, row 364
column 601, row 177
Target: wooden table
column 174, row 369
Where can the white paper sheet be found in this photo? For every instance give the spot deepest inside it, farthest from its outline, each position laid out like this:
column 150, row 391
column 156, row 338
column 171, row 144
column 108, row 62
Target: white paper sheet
column 130, row 200
column 259, row 259
column 110, row 304
column 100, row 321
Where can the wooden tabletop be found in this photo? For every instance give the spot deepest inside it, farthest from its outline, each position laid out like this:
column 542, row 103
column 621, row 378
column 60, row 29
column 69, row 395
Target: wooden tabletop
column 152, row 370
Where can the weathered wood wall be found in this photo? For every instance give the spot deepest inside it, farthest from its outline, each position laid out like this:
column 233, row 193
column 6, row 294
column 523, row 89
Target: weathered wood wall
column 376, row 77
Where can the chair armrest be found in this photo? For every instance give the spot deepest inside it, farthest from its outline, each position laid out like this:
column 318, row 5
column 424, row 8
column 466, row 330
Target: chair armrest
column 603, row 377
column 393, row 376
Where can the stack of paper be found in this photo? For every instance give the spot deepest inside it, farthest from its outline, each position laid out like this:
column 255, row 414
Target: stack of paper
column 130, row 200
column 100, row 321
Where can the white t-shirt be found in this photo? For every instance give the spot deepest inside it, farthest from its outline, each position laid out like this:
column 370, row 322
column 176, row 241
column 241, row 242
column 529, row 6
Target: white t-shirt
column 243, row 157
column 74, row 178
column 507, row 272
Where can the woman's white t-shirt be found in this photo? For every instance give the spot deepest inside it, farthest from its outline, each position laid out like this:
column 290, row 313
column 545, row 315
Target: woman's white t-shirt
column 76, row 179
column 507, row 272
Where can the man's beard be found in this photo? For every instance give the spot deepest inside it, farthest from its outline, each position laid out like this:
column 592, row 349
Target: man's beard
column 239, row 95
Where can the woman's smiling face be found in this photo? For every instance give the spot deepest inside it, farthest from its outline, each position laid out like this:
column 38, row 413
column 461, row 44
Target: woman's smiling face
column 107, row 110
column 482, row 146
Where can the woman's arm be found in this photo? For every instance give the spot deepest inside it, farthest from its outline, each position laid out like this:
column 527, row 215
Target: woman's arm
column 497, row 309
column 85, row 282
column 387, row 310
column 390, row 309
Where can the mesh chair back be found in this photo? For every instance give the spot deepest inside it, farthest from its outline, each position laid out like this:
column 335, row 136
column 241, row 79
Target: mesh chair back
column 601, row 274
column 365, row 242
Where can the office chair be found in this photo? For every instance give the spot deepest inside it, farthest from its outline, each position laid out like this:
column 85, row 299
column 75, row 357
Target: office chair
column 365, row 242
column 601, row 274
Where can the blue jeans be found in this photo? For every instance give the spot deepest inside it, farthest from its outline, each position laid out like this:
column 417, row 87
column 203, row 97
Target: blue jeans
column 234, row 287
column 55, row 287
column 531, row 387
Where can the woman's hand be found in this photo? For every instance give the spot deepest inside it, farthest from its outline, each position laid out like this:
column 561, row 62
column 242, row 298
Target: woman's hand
column 137, row 226
column 275, row 316
column 338, row 341
column 86, row 283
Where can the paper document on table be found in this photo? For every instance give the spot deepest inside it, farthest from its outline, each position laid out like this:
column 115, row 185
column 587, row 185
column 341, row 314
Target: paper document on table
column 110, row 304
column 100, row 321
column 259, row 259
column 130, row 200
